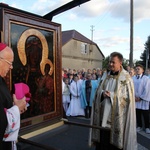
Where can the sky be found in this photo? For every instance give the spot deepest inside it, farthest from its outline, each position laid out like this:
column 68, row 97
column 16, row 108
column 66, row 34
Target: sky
column 107, row 22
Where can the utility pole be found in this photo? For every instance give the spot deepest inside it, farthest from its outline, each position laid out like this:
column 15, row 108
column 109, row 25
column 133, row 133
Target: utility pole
column 131, row 34
column 92, row 29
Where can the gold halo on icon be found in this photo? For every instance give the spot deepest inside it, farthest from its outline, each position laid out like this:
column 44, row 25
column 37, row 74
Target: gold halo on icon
column 42, row 65
column 21, row 48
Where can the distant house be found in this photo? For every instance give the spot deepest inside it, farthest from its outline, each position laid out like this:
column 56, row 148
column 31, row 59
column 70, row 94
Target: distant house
column 79, row 52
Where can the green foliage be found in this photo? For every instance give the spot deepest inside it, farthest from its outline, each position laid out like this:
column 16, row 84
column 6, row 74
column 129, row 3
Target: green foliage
column 125, row 63
column 144, row 54
column 105, row 62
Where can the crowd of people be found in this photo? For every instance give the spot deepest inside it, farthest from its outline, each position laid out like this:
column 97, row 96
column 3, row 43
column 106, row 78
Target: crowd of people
column 115, row 100
column 100, row 94
column 79, row 87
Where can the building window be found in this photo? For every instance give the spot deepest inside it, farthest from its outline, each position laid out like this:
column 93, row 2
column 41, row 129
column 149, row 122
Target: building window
column 84, row 48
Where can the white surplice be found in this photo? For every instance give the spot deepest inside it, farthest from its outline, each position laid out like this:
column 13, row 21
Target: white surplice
column 12, row 130
column 106, row 104
column 142, row 90
column 75, row 108
column 13, row 118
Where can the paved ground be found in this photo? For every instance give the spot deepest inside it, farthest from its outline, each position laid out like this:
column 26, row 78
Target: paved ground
column 71, row 137
column 143, row 139
column 140, row 147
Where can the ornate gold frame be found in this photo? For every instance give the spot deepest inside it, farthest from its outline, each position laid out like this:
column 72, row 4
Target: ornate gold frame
column 34, row 23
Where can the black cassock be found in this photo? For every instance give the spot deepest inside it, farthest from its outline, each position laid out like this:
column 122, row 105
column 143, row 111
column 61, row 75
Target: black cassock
column 5, row 102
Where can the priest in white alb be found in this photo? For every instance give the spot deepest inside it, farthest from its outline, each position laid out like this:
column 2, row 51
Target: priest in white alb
column 114, row 109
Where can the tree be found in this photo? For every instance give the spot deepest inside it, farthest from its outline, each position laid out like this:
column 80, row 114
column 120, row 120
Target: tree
column 147, row 49
column 105, row 62
column 143, row 59
column 146, row 54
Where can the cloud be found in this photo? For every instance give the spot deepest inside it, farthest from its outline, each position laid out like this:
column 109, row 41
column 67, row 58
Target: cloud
column 72, row 17
column 117, row 40
column 118, row 43
column 142, row 10
column 116, row 9
column 43, row 7
column 113, row 36
column 90, row 9
column 121, row 10
column 138, row 44
column 112, row 41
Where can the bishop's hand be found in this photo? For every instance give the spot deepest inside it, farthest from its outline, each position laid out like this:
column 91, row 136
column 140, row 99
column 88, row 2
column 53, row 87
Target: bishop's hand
column 21, row 103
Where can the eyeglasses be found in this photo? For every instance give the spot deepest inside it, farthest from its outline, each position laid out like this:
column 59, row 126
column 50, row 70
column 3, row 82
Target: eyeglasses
column 8, row 62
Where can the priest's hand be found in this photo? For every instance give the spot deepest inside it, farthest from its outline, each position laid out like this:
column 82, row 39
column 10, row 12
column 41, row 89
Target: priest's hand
column 21, row 103
column 106, row 94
